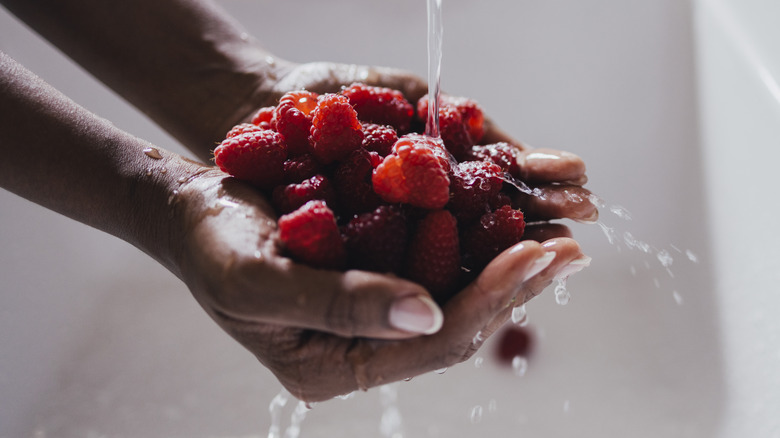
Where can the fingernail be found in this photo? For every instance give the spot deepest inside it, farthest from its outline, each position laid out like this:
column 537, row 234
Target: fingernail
column 591, row 219
column 539, row 265
column 416, row 314
column 573, row 267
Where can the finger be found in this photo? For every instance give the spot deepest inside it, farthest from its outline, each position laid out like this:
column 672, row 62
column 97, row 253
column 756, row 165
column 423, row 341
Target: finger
column 545, row 231
column 465, row 315
column 558, row 202
column 568, row 261
column 550, row 165
column 354, row 303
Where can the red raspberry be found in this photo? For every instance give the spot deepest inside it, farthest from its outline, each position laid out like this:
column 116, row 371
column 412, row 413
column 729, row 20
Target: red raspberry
column 503, row 154
column 352, row 180
column 335, row 129
column 257, row 157
column 290, row 197
column 474, row 186
column 492, row 234
column 264, row 117
column 376, row 241
column 242, row 128
column 380, row 105
column 293, row 117
column 471, row 113
column 514, row 341
column 301, row 167
column 379, row 138
column 310, row 235
column 412, row 174
column 434, row 254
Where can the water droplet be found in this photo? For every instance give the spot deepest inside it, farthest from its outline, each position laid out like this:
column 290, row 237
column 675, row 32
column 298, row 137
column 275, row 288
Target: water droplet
column 244, row 36
column 492, row 406
column 478, row 362
column 182, row 179
column 173, row 196
column 148, row 171
column 677, row 298
column 346, row 396
column 270, row 60
column 519, row 365
column 152, row 153
column 656, row 283
column 163, row 170
column 665, row 258
column 691, row 256
column 519, row 315
column 562, row 295
column 609, row 232
column 275, row 408
column 620, row 212
column 572, row 197
column 566, row 406
column 595, row 200
column 258, row 254
column 476, row 414
column 477, row 340
column 441, row 370
column 408, row 379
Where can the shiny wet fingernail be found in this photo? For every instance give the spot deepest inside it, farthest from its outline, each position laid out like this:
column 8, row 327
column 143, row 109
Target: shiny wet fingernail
column 416, row 314
column 539, row 265
column 573, row 267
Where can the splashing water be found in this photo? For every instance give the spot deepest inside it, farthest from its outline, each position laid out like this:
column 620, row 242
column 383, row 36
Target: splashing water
column 275, row 408
column 520, row 316
column 519, row 365
column 296, row 419
column 562, row 295
column 391, row 424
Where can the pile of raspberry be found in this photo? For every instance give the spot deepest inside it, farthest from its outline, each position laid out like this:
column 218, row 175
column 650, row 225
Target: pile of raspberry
column 357, row 185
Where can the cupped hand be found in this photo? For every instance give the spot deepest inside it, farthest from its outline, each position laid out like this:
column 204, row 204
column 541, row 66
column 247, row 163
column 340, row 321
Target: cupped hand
column 325, row 333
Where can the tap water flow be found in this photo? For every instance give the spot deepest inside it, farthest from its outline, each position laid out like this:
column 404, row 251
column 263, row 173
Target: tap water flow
column 435, row 31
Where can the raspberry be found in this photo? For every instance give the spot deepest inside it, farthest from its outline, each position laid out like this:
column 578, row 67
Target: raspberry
column 503, row 154
column 352, row 180
column 379, row 138
column 413, row 174
column 514, row 341
column 380, row 105
column 290, row 197
column 242, row 128
column 264, row 117
column 471, row 113
column 335, row 129
column 301, row 167
column 433, row 258
column 310, row 235
column 376, row 241
column 492, row 234
column 256, row 157
column 474, row 185
column 293, row 117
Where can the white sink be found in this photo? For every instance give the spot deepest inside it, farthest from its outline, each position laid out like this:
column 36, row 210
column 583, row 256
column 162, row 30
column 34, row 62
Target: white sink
column 98, row 341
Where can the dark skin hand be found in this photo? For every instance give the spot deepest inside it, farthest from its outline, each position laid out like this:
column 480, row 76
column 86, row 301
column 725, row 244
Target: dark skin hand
column 322, row 333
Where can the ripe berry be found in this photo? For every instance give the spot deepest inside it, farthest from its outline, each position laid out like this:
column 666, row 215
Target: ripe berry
column 412, row 174
column 256, row 156
column 242, row 128
column 300, row 167
column 376, row 241
column 335, row 129
column 379, row 138
column 503, row 154
column 293, row 117
column 433, row 258
column 492, row 234
column 474, row 186
column 264, row 117
column 352, row 181
column 380, row 105
column 471, row 113
column 310, row 235
column 290, row 197
column 513, row 341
